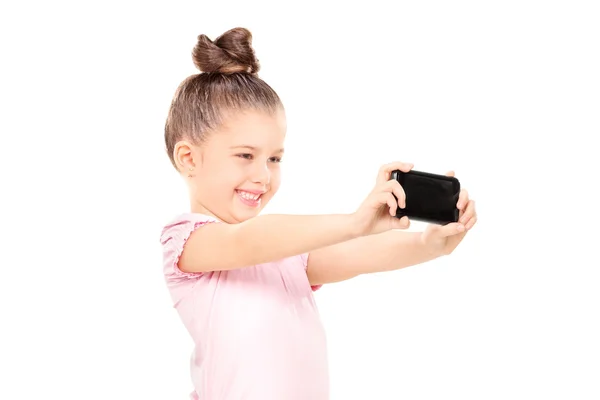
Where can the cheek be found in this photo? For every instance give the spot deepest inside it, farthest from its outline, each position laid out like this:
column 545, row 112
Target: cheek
column 275, row 179
column 222, row 176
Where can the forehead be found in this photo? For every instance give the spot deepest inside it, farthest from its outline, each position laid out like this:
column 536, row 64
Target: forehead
column 253, row 128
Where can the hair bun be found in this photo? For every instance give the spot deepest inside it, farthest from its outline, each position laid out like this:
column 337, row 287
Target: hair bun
column 230, row 53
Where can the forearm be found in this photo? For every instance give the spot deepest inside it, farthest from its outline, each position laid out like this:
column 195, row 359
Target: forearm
column 377, row 253
column 272, row 237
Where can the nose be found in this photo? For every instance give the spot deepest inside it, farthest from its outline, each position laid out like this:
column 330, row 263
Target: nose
column 261, row 173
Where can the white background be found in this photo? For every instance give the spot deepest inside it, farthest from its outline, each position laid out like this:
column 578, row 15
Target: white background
column 505, row 93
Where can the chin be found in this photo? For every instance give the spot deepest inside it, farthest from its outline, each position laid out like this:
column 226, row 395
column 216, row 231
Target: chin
column 239, row 216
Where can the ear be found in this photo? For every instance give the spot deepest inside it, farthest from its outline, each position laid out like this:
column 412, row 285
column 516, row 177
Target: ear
column 183, row 154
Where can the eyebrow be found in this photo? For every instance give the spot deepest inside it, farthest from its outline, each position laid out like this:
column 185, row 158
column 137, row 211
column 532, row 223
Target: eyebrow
column 253, row 148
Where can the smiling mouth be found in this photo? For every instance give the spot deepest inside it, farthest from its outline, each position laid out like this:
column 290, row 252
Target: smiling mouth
column 249, row 196
column 249, row 199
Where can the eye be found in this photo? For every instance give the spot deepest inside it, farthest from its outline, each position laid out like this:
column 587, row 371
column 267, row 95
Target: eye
column 275, row 159
column 247, row 156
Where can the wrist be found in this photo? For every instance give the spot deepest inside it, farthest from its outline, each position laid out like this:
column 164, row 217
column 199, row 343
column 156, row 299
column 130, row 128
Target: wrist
column 356, row 227
column 432, row 247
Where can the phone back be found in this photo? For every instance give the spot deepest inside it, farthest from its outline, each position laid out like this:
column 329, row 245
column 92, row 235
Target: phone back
column 430, row 197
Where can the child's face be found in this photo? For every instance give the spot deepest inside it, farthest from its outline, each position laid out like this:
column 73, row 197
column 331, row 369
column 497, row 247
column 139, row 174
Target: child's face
column 239, row 171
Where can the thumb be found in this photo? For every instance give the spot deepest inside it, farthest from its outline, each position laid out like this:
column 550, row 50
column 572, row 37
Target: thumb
column 453, row 228
column 444, row 230
column 400, row 223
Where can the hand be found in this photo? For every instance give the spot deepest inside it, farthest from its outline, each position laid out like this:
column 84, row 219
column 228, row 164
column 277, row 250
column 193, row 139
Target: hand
column 442, row 240
column 378, row 212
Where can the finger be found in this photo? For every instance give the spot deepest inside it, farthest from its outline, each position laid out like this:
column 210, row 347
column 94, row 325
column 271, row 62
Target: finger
column 469, row 212
column 395, row 188
column 386, row 170
column 471, row 223
column 463, row 199
column 388, row 199
column 450, row 173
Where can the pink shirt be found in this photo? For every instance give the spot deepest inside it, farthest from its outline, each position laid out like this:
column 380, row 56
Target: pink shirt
column 256, row 330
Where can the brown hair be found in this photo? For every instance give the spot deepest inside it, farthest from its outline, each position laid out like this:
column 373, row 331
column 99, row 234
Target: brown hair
column 228, row 81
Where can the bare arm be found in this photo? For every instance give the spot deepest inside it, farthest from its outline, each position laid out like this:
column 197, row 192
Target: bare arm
column 383, row 252
column 221, row 246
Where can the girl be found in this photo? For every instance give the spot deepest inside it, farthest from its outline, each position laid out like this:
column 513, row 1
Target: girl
column 242, row 282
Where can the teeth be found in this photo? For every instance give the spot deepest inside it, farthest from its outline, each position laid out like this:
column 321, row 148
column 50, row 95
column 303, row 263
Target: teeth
column 249, row 196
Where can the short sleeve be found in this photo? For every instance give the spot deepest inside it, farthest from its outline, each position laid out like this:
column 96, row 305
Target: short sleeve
column 173, row 238
column 304, row 258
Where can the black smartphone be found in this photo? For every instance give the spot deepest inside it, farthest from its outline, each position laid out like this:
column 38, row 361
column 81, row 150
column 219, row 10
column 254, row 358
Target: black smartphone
column 430, row 197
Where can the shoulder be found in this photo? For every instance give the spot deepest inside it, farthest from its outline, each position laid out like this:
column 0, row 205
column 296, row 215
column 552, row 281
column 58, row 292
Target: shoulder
column 173, row 237
column 183, row 223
